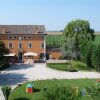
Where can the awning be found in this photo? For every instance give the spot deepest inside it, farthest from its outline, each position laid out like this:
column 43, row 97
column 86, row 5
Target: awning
column 30, row 54
column 10, row 55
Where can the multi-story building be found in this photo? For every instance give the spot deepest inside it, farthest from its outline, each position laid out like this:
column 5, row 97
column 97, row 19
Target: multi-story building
column 21, row 39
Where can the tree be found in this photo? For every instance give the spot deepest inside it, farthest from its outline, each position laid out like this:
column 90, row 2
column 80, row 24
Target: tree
column 67, row 49
column 3, row 50
column 96, row 57
column 6, row 91
column 79, row 30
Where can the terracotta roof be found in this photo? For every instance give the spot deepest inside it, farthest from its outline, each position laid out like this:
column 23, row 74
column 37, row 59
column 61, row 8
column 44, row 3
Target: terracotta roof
column 22, row 29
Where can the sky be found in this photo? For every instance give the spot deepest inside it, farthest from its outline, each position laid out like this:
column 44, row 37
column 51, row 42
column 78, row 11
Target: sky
column 54, row 14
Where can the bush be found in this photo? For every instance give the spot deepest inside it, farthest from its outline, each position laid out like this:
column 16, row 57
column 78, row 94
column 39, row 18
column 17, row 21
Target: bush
column 86, row 53
column 94, row 91
column 4, row 66
column 6, row 91
column 61, row 93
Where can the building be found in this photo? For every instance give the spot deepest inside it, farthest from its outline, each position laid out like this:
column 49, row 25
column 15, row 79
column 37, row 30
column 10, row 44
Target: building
column 53, row 45
column 21, row 39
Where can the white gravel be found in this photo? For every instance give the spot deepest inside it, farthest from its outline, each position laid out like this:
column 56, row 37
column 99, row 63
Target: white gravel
column 20, row 73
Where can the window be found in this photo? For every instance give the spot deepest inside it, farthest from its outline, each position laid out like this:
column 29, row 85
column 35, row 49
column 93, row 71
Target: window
column 25, row 37
column 29, row 45
column 15, row 37
column 20, row 38
column 10, row 45
column 40, row 32
column 42, row 55
column 10, row 37
column 30, row 37
column 20, row 45
column 42, row 45
column 42, row 37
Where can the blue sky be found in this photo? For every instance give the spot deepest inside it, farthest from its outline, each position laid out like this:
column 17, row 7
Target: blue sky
column 55, row 14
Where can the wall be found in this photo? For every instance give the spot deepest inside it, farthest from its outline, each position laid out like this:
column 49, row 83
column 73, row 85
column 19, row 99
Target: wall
column 55, row 55
column 36, row 44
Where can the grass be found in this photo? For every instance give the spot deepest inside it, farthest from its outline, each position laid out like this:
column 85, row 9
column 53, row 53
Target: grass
column 58, row 66
column 75, row 64
column 20, row 94
column 97, row 39
column 54, row 39
column 58, row 39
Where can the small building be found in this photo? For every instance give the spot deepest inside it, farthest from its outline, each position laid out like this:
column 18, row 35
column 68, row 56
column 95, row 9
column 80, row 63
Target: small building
column 53, row 53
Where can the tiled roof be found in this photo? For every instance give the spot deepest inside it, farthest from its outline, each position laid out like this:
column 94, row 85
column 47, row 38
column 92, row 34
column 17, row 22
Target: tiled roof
column 23, row 29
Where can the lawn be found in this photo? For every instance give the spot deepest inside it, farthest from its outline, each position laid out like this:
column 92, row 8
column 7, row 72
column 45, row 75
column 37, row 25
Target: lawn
column 58, row 39
column 78, row 65
column 20, row 94
column 97, row 39
column 54, row 40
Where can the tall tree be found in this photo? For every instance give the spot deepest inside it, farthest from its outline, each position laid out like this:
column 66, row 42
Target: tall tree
column 80, row 30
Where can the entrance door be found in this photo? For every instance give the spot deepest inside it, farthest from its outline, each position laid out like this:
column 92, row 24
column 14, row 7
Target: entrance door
column 20, row 56
column 47, row 56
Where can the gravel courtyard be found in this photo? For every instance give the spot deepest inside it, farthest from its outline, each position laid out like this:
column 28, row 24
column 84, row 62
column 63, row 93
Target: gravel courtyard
column 20, row 73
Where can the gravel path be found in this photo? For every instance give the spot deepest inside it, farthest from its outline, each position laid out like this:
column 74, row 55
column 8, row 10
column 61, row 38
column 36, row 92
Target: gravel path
column 20, row 73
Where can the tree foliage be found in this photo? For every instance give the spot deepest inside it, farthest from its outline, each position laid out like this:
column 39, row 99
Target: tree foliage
column 3, row 50
column 67, row 49
column 80, row 30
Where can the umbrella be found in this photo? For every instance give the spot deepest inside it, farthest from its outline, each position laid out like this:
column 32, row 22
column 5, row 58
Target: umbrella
column 11, row 54
column 30, row 54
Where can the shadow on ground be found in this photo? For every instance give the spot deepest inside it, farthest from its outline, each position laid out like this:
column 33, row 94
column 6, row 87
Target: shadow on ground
column 23, row 98
column 11, row 79
column 19, row 66
column 36, row 90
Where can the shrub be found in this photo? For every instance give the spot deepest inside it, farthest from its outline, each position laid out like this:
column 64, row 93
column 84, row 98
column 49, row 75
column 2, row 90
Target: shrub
column 96, row 57
column 6, row 91
column 94, row 91
column 86, row 53
column 4, row 66
column 61, row 93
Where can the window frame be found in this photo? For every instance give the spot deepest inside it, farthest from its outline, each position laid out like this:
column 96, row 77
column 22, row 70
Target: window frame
column 19, row 45
column 9, row 45
column 29, row 45
column 42, row 46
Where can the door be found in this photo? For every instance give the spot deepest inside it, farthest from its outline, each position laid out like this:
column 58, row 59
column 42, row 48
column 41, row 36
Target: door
column 20, row 56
